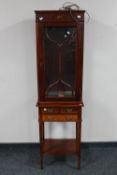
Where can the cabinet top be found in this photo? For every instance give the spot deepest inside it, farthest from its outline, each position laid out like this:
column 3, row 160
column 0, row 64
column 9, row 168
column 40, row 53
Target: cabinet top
column 58, row 11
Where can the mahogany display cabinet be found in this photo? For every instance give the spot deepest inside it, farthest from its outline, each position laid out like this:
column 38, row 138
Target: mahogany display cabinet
column 59, row 41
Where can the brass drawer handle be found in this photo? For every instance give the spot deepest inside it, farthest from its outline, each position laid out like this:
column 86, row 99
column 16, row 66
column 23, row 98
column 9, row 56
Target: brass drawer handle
column 79, row 16
column 45, row 109
column 50, row 110
column 41, row 18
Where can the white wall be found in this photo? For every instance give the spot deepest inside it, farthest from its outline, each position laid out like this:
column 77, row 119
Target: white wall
column 18, row 92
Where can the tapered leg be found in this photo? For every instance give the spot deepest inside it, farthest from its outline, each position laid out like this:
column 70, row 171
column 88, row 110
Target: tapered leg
column 41, row 128
column 41, row 161
column 78, row 140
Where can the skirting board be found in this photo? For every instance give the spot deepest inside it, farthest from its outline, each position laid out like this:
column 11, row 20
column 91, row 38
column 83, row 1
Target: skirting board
column 83, row 144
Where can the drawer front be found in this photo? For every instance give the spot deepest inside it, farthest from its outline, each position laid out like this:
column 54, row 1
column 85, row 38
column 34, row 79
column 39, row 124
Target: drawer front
column 64, row 110
column 58, row 117
column 50, row 110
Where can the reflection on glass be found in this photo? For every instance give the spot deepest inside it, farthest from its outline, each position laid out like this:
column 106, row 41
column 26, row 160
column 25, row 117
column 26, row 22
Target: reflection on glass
column 60, row 53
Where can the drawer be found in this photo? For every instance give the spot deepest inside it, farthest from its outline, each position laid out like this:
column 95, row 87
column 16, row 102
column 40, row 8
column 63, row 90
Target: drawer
column 65, row 110
column 69, row 110
column 50, row 110
column 58, row 117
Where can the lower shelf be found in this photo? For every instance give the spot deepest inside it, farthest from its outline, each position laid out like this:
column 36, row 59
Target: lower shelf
column 59, row 146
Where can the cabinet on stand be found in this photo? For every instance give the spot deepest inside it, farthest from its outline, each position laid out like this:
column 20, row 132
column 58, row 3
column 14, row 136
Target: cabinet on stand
column 59, row 40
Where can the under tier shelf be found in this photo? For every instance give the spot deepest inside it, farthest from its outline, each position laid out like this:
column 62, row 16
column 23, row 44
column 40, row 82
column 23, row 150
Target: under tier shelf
column 59, row 146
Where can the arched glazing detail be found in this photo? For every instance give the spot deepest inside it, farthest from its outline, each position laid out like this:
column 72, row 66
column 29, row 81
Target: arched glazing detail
column 60, row 61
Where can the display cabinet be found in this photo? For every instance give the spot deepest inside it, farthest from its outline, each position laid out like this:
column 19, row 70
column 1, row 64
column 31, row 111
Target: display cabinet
column 59, row 40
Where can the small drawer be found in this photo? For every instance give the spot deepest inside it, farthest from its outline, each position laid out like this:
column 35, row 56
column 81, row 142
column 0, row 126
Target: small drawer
column 69, row 110
column 60, row 110
column 50, row 110
column 67, row 117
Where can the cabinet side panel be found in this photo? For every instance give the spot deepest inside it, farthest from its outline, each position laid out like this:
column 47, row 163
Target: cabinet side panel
column 40, row 61
column 80, row 33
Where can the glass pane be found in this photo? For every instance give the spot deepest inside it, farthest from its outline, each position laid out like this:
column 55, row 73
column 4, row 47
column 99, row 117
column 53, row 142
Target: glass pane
column 60, row 57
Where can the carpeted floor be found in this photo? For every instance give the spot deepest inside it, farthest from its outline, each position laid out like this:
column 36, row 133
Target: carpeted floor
column 24, row 160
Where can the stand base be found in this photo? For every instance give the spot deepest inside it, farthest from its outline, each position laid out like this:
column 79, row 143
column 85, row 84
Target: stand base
column 59, row 147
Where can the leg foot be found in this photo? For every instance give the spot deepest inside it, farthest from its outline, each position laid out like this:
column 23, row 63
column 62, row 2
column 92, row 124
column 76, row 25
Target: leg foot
column 41, row 162
column 79, row 162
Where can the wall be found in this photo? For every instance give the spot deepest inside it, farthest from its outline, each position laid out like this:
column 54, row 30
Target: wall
column 18, row 91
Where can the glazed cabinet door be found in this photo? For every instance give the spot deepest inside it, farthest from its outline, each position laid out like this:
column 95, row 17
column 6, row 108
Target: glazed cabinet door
column 59, row 60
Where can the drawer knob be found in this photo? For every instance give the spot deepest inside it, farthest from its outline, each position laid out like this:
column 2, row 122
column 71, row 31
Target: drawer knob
column 45, row 109
column 79, row 16
column 41, row 18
